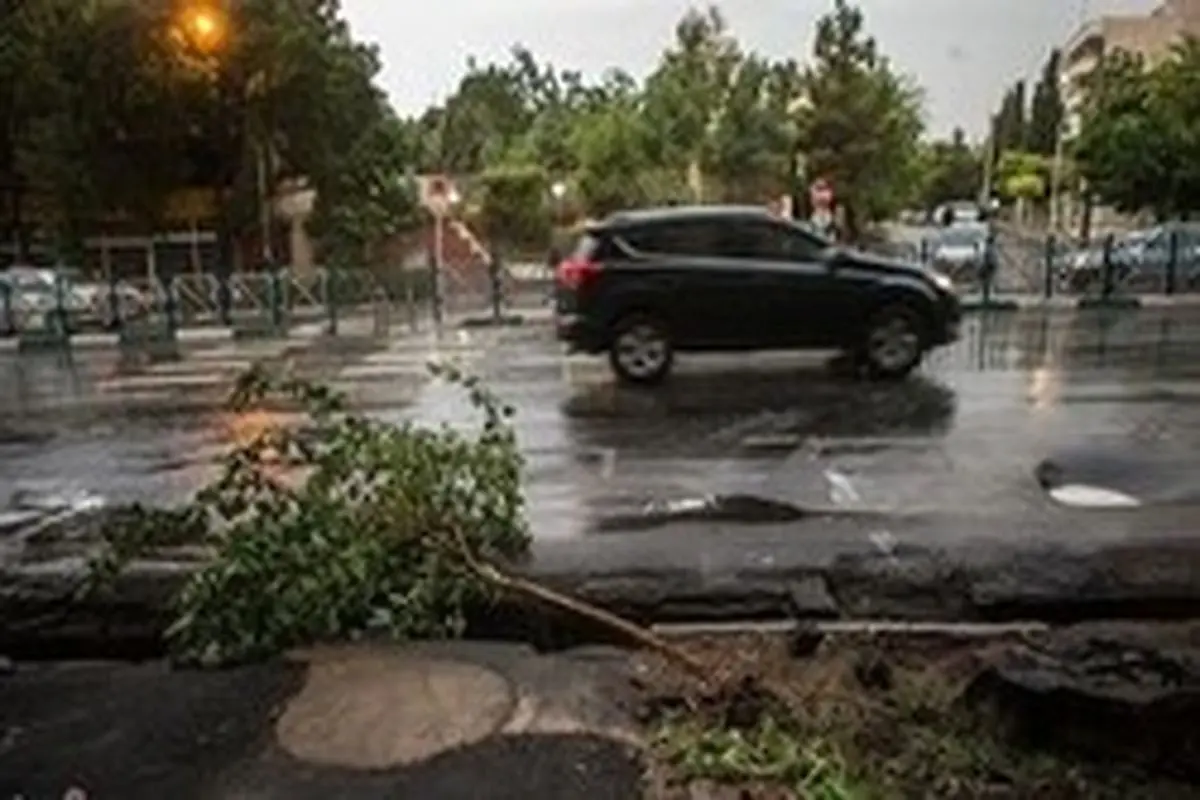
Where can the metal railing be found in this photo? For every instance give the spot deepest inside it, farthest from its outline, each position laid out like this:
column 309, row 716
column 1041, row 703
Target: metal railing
column 279, row 299
column 1047, row 267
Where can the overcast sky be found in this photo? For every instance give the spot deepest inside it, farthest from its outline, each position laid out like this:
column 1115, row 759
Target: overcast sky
column 964, row 52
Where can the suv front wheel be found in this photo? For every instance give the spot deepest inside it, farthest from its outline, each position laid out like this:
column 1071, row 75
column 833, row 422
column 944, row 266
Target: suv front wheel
column 641, row 351
column 893, row 344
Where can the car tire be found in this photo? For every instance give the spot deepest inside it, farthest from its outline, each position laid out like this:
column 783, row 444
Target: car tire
column 893, row 343
column 641, row 352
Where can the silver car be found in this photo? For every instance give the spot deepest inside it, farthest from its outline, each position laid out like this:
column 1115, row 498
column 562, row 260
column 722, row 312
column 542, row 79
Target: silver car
column 32, row 294
column 959, row 251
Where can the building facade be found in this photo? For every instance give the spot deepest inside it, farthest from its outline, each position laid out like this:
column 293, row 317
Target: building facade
column 1150, row 36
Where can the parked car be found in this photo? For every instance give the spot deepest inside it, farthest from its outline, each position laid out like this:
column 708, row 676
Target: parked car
column 959, row 251
column 1147, row 254
column 644, row 285
column 34, row 294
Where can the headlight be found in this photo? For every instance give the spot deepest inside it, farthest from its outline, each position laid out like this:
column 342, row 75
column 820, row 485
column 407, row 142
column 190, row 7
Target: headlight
column 942, row 282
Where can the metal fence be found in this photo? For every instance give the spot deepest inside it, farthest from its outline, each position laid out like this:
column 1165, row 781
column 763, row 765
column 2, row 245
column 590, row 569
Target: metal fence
column 1051, row 266
column 274, row 300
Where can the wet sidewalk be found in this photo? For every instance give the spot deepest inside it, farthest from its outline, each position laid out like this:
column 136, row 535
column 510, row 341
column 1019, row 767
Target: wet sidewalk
column 448, row 721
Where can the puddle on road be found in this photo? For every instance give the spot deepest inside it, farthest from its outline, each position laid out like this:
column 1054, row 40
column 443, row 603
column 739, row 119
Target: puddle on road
column 735, row 509
column 1121, row 474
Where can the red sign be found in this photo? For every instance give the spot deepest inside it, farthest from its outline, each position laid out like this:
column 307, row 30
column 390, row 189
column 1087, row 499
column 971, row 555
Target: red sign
column 821, row 194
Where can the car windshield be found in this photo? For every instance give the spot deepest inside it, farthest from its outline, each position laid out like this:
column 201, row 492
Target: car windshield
column 962, row 237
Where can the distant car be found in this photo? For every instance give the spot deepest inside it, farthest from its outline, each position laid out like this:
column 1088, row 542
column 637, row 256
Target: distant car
column 959, row 251
column 1148, row 254
column 959, row 212
column 644, row 285
column 34, row 294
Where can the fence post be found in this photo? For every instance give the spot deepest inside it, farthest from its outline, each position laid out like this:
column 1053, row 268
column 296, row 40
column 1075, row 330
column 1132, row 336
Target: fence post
column 10, row 325
column 1109, row 284
column 1172, row 261
column 116, row 319
column 494, row 278
column 989, row 267
column 329, row 298
column 410, row 299
column 61, row 329
column 170, row 311
column 275, row 298
column 1048, row 276
column 224, row 297
column 924, row 251
column 435, row 270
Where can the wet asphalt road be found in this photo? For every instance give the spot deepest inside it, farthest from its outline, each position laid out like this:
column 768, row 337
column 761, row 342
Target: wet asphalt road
column 949, row 457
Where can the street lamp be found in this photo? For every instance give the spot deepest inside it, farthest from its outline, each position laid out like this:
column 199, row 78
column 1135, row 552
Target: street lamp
column 558, row 191
column 205, row 27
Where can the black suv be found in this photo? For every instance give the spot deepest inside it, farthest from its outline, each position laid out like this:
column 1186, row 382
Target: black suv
column 644, row 284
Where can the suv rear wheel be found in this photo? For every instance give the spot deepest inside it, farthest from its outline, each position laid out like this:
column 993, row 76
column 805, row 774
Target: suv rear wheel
column 893, row 344
column 641, row 351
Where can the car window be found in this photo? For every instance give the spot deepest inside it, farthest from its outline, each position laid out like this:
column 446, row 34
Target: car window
column 682, row 238
column 594, row 246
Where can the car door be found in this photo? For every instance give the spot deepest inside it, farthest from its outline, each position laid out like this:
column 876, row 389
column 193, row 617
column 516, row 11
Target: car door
column 790, row 281
column 712, row 302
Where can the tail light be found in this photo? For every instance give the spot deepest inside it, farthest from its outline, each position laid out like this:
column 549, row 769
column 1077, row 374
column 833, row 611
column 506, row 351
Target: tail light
column 575, row 273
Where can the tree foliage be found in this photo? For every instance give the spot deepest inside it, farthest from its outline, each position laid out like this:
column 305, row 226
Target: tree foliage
column 117, row 105
column 371, row 540
column 952, row 171
column 1139, row 142
column 513, row 205
column 863, row 129
column 122, row 103
column 1046, row 110
column 1022, row 175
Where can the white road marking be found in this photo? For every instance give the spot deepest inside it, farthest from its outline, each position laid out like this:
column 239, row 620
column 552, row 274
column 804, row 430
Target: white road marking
column 608, row 463
column 841, row 489
column 201, row 381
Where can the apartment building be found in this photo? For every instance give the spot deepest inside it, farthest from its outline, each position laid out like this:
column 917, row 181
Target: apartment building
column 1150, row 36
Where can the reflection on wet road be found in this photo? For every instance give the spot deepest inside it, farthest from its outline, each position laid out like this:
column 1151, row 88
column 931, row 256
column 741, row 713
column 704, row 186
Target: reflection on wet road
column 962, row 439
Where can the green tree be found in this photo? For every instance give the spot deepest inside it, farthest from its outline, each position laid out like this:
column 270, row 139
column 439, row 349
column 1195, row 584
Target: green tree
column 1009, row 127
column 616, row 170
column 1022, row 175
column 1047, row 110
column 512, row 206
column 686, row 94
column 863, row 127
column 106, row 132
column 753, row 138
column 951, row 171
column 368, row 196
column 1133, row 149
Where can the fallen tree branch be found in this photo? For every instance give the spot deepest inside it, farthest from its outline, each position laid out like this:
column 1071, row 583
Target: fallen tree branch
column 627, row 629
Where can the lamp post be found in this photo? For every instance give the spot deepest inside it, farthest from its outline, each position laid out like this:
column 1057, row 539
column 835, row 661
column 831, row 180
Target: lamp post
column 558, row 191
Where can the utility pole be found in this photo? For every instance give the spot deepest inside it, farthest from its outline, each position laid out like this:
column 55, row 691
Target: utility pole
column 989, row 156
column 1056, row 180
column 264, row 202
